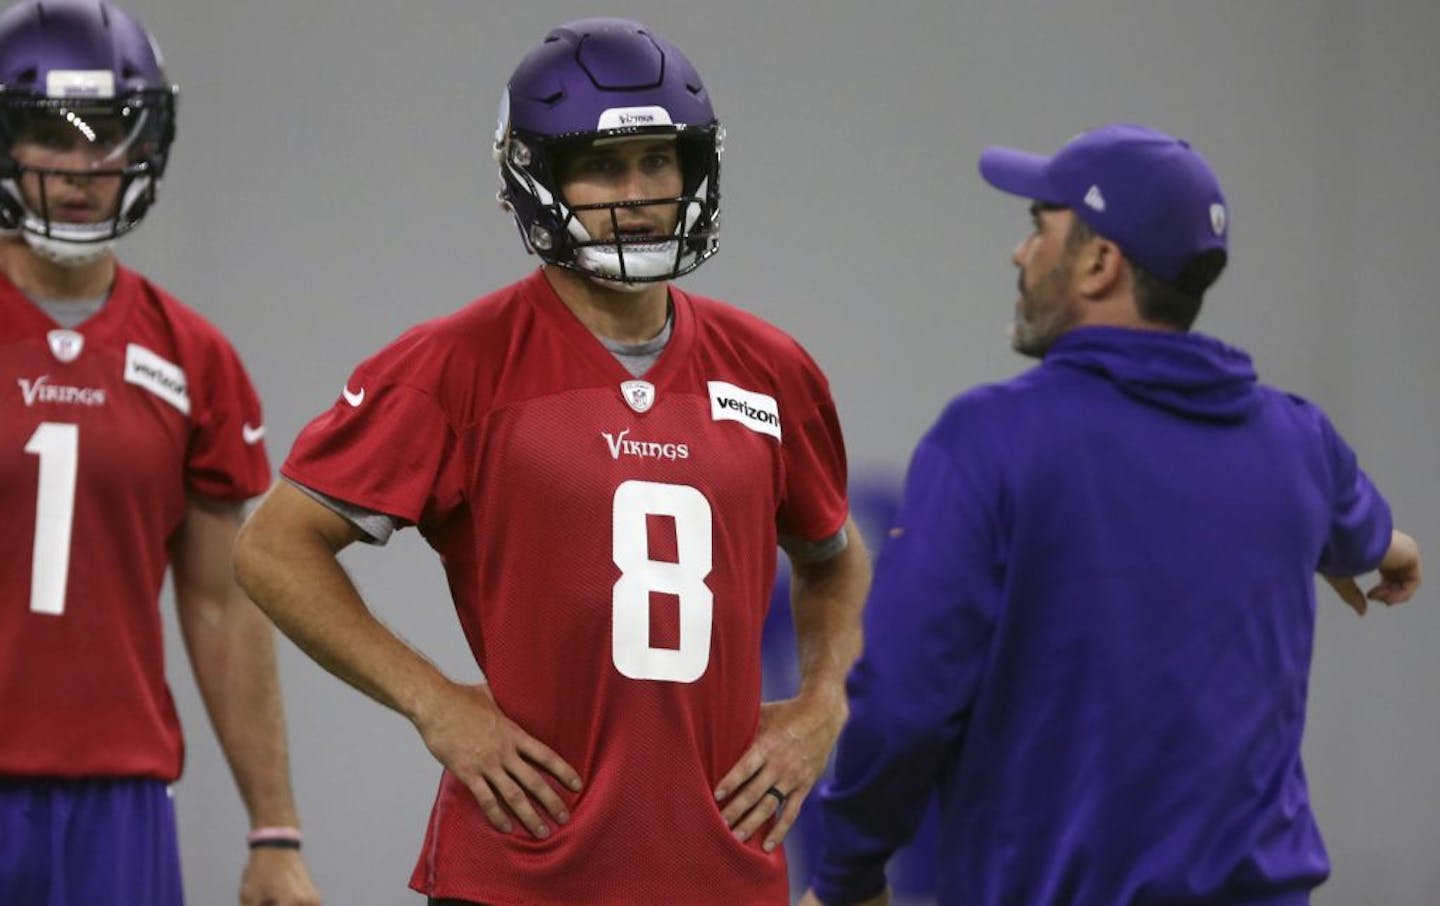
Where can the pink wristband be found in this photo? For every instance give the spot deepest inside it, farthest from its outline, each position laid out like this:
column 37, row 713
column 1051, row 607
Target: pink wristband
column 283, row 837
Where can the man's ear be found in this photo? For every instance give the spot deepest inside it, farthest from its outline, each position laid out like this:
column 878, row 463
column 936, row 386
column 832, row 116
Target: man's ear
column 1099, row 268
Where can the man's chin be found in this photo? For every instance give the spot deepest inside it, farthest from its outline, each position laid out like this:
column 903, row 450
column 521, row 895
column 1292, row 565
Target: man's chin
column 1028, row 342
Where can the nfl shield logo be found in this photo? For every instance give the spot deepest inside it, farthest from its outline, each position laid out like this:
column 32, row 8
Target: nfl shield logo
column 640, row 395
column 66, row 344
column 1217, row 219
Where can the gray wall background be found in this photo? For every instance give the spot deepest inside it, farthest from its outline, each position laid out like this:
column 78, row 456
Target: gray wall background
column 331, row 185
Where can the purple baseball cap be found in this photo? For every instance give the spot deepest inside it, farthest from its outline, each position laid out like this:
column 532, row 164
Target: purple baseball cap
column 1148, row 192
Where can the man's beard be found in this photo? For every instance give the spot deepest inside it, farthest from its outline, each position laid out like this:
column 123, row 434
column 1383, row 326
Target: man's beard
column 1042, row 315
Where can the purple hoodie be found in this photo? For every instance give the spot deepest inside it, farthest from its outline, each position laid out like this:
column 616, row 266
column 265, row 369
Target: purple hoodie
column 1091, row 629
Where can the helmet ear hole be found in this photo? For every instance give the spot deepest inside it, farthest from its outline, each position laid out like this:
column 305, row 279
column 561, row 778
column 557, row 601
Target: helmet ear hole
column 138, row 209
column 11, row 214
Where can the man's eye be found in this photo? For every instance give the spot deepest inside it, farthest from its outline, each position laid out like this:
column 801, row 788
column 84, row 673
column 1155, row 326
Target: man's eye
column 596, row 166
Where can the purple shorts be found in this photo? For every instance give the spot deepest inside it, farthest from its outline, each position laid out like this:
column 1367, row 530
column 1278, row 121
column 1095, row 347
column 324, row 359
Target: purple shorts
column 92, row 842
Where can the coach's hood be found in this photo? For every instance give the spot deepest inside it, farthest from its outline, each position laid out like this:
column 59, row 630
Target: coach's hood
column 1188, row 373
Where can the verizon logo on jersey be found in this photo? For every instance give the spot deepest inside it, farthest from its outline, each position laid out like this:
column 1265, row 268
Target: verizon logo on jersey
column 755, row 411
column 165, row 379
column 41, row 390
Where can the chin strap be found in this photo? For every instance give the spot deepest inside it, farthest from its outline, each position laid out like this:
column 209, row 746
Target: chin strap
column 68, row 254
column 618, row 286
column 648, row 262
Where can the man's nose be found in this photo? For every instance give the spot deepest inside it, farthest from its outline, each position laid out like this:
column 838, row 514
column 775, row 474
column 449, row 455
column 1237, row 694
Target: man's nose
column 634, row 184
column 1017, row 256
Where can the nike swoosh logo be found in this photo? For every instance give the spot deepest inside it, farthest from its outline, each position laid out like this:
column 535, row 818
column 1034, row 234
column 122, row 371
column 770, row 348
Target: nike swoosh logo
column 252, row 435
column 354, row 399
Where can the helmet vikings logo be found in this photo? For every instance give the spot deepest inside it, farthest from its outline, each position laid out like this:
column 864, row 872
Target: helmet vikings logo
column 639, row 395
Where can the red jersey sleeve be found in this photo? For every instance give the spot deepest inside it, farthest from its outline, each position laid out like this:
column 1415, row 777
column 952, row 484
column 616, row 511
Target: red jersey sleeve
column 225, row 457
column 813, row 450
column 387, row 444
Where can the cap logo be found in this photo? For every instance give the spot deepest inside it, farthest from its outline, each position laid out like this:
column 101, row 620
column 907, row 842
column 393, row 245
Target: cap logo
column 1094, row 200
column 1217, row 219
column 80, row 83
column 633, row 118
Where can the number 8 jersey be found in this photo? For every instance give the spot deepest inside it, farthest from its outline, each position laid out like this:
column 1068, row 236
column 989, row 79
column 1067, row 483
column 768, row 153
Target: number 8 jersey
column 610, row 545
column 103, row 431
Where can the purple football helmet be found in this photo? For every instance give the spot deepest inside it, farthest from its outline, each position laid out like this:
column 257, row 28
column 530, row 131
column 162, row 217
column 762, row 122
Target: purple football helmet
column 607, row 79
column 80, row 76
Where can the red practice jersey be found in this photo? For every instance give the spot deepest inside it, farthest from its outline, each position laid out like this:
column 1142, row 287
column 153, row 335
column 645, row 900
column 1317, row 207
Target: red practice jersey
column 610, row 546
column 103, row 430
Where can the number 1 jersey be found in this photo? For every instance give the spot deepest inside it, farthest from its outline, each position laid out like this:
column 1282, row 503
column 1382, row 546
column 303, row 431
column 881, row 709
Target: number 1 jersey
column 610, row 546
column 103, row 431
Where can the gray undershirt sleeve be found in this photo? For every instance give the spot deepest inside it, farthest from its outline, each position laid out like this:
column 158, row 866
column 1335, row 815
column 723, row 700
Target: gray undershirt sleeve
column 377, row 527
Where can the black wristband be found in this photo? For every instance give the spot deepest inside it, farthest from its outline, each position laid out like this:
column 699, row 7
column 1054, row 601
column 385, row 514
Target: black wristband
column 274, row 844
